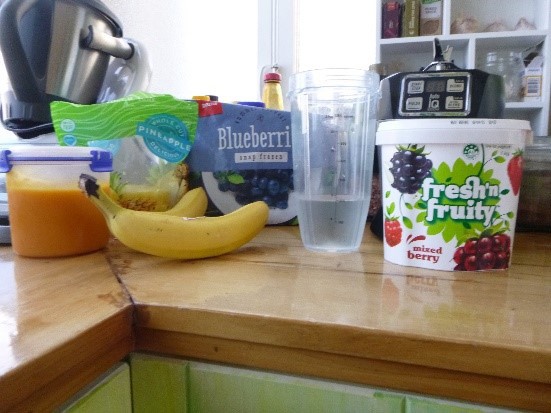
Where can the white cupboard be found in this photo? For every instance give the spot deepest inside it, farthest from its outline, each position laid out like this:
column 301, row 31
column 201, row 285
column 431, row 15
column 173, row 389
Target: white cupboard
column 470, row 49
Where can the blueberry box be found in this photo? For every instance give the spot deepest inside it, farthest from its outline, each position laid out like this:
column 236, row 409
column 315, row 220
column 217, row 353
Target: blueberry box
column 243, row 154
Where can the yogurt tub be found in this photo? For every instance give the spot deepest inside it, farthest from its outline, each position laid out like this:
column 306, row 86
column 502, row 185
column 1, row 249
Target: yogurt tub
column 450, row 190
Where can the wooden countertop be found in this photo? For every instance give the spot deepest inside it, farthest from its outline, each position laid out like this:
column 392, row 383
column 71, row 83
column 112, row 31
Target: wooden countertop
column 62, row 323
column 483, row 337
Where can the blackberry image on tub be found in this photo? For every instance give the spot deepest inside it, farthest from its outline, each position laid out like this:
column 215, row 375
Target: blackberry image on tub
column 269, row 185
column 410, row 166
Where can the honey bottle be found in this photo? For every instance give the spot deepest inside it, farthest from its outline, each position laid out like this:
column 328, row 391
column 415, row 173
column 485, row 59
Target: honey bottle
column 272, row 96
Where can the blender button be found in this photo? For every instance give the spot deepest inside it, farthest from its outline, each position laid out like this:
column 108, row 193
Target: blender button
column 414, row 103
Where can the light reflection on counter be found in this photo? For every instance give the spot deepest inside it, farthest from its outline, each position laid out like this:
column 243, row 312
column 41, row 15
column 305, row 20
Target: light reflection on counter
column 46, row 302
column 455, row 305
column 8, row 315
column 341, row 297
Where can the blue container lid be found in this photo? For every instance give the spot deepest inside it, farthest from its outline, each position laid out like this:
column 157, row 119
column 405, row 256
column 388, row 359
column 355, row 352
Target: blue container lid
column 252, row 103
column 99, row 160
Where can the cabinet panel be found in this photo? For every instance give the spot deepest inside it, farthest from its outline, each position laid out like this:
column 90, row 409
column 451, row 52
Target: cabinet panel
column 223, row 389
column 163, row 384
column 110, row 394
column 158, row 384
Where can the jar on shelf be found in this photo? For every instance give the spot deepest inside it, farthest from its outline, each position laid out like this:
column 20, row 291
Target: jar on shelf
column 509, row 65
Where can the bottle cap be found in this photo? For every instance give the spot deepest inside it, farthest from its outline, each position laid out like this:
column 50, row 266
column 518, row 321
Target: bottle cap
column 272, row 76
column 251, row 103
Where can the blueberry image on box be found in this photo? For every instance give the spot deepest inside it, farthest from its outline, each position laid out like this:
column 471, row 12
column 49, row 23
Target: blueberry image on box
column 270, row 186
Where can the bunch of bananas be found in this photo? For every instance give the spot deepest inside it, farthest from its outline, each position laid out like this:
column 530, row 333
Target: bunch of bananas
column 181, row 232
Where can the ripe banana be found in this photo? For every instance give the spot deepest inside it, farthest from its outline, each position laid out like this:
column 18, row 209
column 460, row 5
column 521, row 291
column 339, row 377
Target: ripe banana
column 192, row 204
column 172, row 236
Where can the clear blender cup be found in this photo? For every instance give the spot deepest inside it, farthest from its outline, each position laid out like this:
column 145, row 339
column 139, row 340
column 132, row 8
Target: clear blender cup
column 333, row 123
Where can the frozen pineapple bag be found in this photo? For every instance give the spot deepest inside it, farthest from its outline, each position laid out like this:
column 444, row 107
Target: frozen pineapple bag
column 150, row 136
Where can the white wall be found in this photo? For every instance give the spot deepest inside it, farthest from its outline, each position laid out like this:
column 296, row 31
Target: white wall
column 196, row 47
column 219, row 46
column 340, row 34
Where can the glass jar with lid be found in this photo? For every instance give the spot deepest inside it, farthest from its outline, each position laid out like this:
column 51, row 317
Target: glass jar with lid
column 510, row 65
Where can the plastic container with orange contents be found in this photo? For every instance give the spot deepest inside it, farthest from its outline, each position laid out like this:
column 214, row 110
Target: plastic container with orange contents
column 49, row 215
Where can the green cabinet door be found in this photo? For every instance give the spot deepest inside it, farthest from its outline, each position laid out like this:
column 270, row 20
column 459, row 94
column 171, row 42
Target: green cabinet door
column 159, row 384
column 109, row 394
column 215, row 388
column 162, row 384
column 172, row 385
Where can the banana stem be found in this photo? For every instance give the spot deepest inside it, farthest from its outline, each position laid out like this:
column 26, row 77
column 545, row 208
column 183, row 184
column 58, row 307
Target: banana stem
column 108, row 207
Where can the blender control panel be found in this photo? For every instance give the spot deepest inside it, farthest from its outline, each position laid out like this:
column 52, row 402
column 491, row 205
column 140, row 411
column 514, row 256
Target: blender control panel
column 429, row 94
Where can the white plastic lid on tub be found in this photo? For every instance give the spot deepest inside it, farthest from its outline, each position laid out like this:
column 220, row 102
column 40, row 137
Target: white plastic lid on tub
column 454, row 130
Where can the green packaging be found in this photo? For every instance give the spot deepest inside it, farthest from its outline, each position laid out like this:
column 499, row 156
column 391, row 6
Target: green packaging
column 150, row 137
